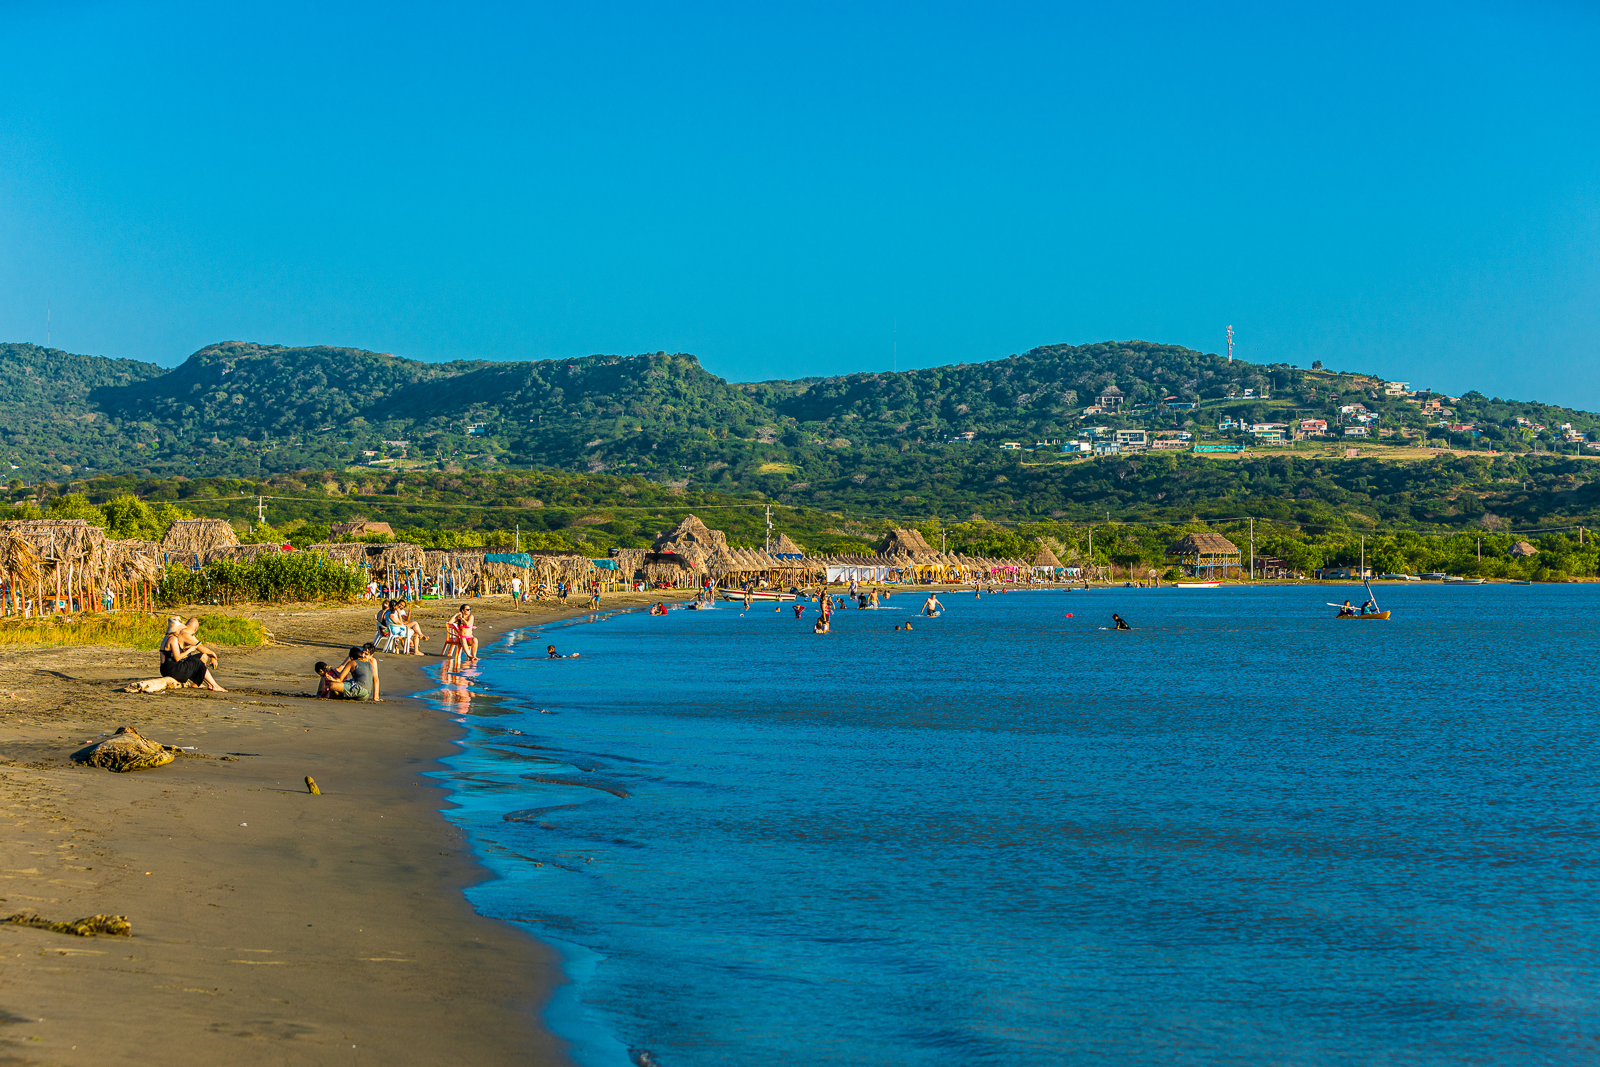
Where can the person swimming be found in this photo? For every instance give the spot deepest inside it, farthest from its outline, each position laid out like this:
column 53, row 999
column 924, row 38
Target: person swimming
column 1121, row 623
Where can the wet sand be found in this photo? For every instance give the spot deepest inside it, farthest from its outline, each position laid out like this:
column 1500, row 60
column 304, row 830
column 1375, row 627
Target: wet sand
column 270, row 926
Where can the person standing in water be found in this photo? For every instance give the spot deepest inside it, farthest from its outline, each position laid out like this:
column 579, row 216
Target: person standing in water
column 931, row 605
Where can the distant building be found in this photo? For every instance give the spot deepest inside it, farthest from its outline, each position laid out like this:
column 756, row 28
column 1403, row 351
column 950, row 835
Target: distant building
column 477, row 427
column 1313, row 426
column 1357, row 431
column 1011, row 446
column 1396, row 388
column 1133, row 438
column 1107, row 448
column 967, row 435
column 1111, row 399
column 1077, row 446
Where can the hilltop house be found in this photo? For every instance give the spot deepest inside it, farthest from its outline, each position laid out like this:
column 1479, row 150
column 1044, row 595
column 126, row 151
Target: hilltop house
column 1313, row 426
column 1133, row 438
column 1110, row 399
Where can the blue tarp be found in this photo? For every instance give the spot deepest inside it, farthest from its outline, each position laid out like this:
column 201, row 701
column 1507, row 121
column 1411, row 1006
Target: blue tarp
column 515, row 559
column 605, row 564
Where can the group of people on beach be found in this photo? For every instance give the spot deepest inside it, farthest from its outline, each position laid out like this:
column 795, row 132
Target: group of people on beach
column 357, row 677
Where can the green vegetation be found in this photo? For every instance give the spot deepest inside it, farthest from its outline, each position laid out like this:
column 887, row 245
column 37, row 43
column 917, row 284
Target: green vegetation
column 291, row 576
column 124, row 630
column 257, row 410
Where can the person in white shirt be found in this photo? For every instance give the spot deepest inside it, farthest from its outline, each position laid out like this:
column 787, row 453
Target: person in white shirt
column 516, row 590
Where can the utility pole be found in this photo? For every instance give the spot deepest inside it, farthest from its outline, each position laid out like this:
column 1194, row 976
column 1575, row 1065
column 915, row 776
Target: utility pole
column 1480, row 550
column 1230, row 344
column 516, row 538
column 261, row 510
column 1252, row 548
column 769, row 529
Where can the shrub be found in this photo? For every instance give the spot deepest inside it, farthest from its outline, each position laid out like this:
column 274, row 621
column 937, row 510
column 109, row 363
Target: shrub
column 295, row 576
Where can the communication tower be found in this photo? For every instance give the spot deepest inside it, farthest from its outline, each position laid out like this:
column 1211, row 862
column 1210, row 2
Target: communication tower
column 1230, row 344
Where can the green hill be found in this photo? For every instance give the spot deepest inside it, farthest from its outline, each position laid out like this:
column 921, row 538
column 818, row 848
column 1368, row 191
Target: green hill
column 885, row 442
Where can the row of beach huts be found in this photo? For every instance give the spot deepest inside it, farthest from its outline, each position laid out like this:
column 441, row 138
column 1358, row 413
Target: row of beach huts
column 67, row 565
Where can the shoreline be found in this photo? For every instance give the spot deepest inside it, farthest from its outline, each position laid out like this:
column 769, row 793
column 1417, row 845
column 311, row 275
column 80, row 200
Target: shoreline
column 269, row 925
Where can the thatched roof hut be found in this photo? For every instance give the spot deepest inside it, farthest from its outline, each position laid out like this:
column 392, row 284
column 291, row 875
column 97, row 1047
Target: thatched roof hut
column 692, row 531
column 630, row 561
column 399, row 555
column 785, row 546
column 134, row 560
column 1045, row 558
column 1523, row 550
column 1206, row 551
column 59, row 540
column 359, row 529
column 905, row 542
column 197, row 537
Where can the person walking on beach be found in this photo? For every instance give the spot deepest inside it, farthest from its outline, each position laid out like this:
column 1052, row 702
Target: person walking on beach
column 594, row 596
column 516, row 590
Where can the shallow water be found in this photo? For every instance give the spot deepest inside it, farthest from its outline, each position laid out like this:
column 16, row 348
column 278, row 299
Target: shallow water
column 1244, row 833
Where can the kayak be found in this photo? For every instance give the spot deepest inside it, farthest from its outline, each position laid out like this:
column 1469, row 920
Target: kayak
column 1368, row 615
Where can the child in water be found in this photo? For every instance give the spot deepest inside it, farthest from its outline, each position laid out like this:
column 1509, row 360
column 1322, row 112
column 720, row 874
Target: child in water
column 550, row 651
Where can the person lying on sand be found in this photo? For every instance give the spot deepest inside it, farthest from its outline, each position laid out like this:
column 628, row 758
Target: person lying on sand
column 182, row 658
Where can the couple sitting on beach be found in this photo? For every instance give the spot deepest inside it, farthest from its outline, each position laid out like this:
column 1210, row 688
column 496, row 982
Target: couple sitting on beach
column 396, row 625
column 355, row 679
column 184, row 659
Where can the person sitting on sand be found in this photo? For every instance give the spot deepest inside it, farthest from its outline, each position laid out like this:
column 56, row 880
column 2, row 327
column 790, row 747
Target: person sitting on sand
column 191, row 638
column 328, row 684
column 1121, row 624
column 182, row 659
column 358, row 678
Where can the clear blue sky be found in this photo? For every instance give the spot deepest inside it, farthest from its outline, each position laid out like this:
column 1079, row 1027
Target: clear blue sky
column 1412, row 190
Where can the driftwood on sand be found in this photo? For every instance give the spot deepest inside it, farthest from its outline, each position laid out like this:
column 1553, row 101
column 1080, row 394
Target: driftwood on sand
column 126, row 750
column 114, row 925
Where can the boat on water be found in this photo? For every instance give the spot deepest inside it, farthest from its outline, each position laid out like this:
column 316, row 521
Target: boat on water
column 1197, row 585
column 1458, row 580
column 1368, row 615
column 755, row 594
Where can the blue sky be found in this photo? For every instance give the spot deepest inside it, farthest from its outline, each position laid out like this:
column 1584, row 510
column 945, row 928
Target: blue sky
column 1410, row 190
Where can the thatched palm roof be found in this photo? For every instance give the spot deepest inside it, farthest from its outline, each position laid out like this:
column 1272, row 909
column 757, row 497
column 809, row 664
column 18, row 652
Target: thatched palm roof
column 18, row 559
column 906, row 542
column 190, row 537
column 1205, row 543
column 691, row 531
column 59, row 540
column 1523, row 549
column 1045, row 558
column 399, row 554
column 787, row 546
column 359, row 529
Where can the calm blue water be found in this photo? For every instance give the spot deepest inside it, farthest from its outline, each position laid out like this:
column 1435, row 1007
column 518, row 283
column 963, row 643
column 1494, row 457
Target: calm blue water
column 1242, row 834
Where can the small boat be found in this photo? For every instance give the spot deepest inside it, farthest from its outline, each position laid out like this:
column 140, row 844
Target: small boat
column 755, row 594
column 1197, row 585
column 1371, row 599
column 1368, row 615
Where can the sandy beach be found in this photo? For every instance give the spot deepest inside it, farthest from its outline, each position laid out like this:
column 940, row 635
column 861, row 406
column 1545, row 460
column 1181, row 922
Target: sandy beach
column 269, row 925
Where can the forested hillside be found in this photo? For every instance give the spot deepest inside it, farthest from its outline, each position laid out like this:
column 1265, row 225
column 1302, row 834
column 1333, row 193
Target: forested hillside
column 879, row 441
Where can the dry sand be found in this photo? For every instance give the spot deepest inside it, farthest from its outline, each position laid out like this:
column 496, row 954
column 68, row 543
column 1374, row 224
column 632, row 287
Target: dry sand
column 269, row 926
